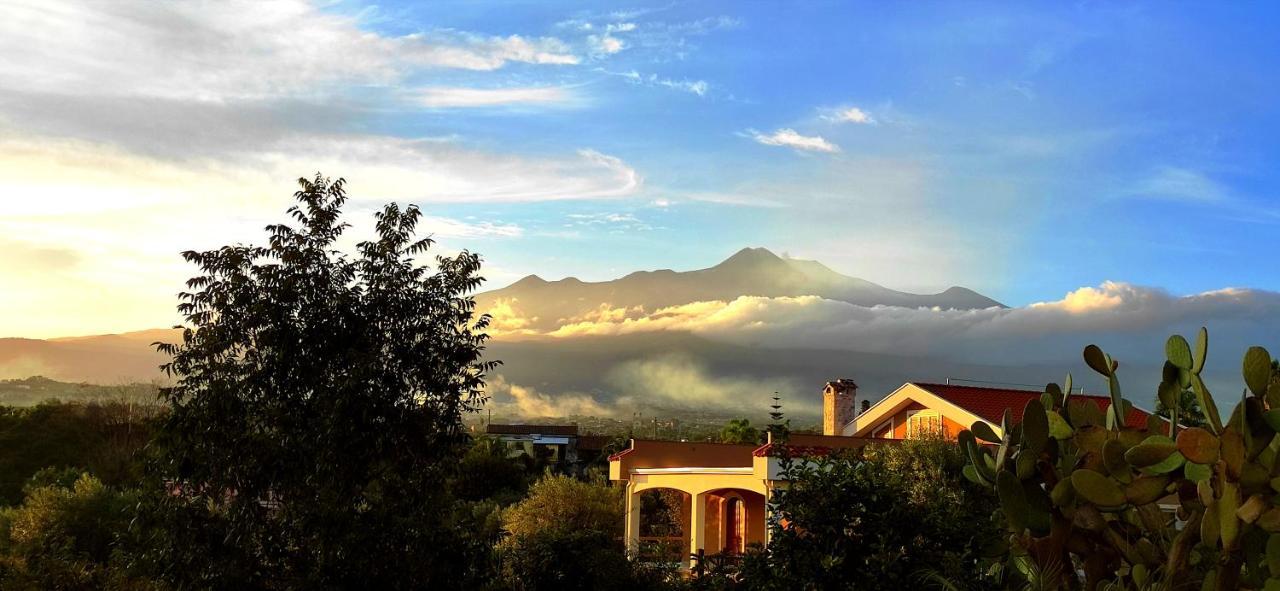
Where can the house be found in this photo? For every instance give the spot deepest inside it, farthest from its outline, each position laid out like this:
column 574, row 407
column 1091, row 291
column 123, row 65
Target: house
column 916, row 408
column 725, row 488
column 559, row 445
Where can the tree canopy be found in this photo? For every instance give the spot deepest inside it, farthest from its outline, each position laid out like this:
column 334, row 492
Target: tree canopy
column 319, row 397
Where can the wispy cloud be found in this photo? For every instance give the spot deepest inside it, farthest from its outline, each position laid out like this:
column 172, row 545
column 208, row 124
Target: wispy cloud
column 849, row 115
column 457, row 97
column 454, row 228
column 615, row 222
column 698, row 87
column 734, row 198
column 790, row 138
column 1179, row 184
column 288, row 48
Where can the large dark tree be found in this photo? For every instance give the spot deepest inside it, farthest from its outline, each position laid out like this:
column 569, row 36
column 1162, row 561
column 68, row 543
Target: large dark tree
column 318, row 406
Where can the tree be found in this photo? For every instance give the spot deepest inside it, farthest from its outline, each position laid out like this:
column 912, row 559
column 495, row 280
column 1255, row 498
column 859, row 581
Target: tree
column 486, row 472
column 318, row 403
column 740, row 431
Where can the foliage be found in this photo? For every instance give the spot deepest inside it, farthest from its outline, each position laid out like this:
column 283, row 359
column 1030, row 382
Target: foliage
column 740, row 431
column 1189, row 412
column 1080, row 492
column 567, row 535
column 70, row 537
column 872, row 519
column 101, row 438
column 486, row 472
column 571, row 560
column 318, row 405
column 562, row 502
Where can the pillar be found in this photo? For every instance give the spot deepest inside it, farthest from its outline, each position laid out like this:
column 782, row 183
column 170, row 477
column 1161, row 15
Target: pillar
column 632, row 533
column 697, row 525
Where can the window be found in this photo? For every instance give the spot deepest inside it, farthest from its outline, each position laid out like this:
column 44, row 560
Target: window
column 925, row 422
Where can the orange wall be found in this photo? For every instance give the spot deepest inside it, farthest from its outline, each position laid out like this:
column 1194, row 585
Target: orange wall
column 754, row 505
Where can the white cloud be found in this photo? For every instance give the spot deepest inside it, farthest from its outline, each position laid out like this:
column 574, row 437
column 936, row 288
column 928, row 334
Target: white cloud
column 513, row 399
column 606, row 44
column 790, row 138
column 1180, row 184
column 230, row 50
column 849, row 115
column 731, row 198
column 124, row 217
column 454, row 97
column 698, row 87
column 680, row 382
column 453, row 228
column 1128, row 320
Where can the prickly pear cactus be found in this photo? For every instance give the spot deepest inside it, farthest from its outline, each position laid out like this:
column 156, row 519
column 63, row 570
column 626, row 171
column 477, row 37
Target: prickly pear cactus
column 1103, row 504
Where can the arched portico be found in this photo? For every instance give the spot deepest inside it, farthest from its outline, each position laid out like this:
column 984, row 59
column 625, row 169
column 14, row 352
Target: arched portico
column 728, row 486
column 725, row 505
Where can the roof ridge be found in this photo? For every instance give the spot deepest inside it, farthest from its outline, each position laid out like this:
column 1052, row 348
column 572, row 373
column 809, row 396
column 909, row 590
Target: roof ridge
column 1018, row 390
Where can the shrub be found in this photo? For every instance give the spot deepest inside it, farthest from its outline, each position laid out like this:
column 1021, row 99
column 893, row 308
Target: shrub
column 875, row 519
column 73, row 537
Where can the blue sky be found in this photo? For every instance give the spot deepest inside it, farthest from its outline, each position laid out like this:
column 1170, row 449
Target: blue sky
column 1046, row 146
column 1023, row 150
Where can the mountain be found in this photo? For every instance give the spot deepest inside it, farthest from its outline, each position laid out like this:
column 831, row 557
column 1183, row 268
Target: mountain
column 102, row 359
column 749, row 272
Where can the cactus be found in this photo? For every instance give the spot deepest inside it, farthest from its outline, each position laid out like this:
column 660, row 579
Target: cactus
column 1078, row 486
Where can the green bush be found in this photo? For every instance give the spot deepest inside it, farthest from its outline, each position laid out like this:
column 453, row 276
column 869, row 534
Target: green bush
column 75, row 537
column 876, row 519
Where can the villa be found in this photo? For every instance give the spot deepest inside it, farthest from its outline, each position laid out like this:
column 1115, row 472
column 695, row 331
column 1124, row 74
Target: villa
column 724, row 488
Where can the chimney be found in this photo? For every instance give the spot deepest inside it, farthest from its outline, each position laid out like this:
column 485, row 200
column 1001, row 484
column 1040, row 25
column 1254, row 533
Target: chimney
column 837, row 405
column 866, row 406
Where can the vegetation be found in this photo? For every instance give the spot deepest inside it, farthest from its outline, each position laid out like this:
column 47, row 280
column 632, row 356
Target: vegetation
column 740, row 431
column 37, row 389
column 319, row 400
column 566, row 535
column 101, row 438
column 875, row 519
column 1081, row 493
column 314, row 439
column 70, row 536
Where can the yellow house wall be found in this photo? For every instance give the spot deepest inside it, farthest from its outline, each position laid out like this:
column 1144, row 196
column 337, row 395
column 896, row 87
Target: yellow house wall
column 903, row 402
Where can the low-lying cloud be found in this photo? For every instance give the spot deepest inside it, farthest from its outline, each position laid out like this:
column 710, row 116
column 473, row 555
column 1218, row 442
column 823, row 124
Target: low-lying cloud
column 683, row 383
column 1131, row 321
column 507, row 398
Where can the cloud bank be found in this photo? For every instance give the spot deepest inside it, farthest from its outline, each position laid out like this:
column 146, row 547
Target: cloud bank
column 1130, row 321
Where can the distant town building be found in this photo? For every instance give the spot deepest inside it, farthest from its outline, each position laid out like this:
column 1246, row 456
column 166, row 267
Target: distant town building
column 558, row 445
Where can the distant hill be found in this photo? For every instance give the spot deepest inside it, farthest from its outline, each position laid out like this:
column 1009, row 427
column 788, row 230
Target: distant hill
column 749, row 272
column 101, row 359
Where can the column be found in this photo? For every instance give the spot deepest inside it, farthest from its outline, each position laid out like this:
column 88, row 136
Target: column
column 697, row 525
column 632, row 533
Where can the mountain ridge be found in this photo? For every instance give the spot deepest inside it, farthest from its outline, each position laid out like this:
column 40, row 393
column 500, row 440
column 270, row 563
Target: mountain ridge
column 747, row 272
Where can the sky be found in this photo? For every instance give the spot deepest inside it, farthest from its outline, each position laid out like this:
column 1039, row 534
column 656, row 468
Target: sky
column 1025, row 151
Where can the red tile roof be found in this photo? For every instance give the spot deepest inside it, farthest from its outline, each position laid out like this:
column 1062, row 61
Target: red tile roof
column 989, row 403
